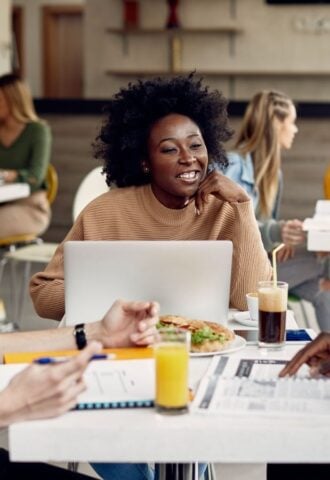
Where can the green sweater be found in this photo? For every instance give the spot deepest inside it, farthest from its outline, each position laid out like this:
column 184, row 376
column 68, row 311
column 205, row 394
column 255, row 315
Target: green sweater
column 29, row 155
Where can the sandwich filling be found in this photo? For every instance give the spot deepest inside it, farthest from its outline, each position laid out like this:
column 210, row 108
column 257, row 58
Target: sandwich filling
column 205, row 336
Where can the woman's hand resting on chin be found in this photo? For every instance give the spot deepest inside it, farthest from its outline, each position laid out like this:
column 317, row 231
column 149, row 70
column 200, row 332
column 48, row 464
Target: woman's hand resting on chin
column 222, row 188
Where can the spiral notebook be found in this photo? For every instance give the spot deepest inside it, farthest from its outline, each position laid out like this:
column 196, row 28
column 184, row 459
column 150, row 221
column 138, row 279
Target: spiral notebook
column 109, row 383
column 118, row 384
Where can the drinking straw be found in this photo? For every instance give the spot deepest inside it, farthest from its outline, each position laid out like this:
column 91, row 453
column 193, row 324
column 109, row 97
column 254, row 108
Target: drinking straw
column 274, row 252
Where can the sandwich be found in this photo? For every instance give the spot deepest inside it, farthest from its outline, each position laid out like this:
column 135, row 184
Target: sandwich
column 205, row 336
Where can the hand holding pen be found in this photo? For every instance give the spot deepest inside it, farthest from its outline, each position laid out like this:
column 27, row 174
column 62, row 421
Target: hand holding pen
column 42, row 391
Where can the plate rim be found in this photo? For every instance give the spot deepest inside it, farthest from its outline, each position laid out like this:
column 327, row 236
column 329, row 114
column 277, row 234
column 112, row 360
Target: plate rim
column 231, row 349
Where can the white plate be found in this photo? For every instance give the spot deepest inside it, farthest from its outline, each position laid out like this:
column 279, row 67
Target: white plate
column 237, row 344
column 244, row 319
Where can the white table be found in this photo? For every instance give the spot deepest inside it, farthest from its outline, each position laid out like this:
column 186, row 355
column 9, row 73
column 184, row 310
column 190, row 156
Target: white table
column 141, row 435
column 13, row 191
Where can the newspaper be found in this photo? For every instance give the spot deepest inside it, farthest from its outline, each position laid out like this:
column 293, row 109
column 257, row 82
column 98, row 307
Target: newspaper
column 236, row 385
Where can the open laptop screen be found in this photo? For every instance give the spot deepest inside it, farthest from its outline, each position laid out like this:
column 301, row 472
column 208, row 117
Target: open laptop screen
column 190, row 278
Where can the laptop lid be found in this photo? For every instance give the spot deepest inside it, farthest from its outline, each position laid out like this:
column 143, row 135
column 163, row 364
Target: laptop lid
column 190, row 278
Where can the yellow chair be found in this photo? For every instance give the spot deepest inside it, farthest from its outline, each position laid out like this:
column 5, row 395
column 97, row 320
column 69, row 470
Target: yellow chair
column 326, row 184
column 52, row 183
column 27, row 248
column 13, row 241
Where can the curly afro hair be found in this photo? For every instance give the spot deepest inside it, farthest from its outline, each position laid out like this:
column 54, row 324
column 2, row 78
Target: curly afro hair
column 122, row 142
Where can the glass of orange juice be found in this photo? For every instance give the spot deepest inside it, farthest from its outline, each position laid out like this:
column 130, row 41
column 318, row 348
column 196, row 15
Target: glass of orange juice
column 172, row 360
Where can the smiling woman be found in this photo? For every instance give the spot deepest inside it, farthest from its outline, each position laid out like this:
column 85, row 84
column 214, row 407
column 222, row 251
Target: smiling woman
column 160, row 144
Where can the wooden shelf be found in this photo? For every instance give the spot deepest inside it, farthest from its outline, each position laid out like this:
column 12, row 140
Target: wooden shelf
column 218, row 73
column 175, row 31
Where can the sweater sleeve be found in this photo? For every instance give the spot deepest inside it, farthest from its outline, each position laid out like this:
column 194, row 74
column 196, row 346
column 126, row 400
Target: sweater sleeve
column 250, row 260
column 271, row 233
column 39, row 156
column 47, row 287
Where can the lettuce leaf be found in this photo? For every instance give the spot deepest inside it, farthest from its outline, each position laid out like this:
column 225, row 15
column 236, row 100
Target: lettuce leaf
column 206, row 334
column 199, row 336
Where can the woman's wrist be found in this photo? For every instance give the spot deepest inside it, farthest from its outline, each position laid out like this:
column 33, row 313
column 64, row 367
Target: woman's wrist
column 94, row 331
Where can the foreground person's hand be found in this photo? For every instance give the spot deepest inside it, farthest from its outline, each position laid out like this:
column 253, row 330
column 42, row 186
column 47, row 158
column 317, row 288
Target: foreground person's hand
column 42, row 391
column 316, row 354
column 130, row 323
column 222, row 188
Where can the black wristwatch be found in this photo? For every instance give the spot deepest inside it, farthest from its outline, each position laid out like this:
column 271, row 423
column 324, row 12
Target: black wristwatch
column 80, row 336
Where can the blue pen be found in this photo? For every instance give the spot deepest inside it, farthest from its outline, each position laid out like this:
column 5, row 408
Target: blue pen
column 44, row 360
column 50, row 360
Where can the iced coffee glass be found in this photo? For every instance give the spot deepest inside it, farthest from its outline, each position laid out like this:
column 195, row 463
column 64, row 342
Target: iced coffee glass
column 273, row 301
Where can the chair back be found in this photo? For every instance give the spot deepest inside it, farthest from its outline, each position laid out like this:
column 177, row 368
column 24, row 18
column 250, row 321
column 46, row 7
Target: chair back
column 52, row 183
column 91, row 187
column 26, row 238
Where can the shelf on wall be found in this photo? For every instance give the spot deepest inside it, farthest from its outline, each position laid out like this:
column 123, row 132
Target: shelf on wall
column 261, row 73
column 151, row 30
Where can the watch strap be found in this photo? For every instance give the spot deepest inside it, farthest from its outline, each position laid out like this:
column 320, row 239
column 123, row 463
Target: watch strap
column 80, row 336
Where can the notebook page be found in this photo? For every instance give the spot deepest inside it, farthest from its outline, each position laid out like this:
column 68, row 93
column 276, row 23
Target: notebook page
column 118, row 383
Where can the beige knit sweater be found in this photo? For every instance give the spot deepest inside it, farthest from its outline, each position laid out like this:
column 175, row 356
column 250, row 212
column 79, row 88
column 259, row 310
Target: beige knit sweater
column 134, row 213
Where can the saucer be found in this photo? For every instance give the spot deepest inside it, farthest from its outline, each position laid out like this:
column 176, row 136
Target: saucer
column 244, row 319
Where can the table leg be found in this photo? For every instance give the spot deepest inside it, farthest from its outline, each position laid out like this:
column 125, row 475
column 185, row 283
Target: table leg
column 176, row 471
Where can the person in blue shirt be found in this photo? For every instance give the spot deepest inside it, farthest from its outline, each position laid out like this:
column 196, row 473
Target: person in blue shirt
column 268, row 127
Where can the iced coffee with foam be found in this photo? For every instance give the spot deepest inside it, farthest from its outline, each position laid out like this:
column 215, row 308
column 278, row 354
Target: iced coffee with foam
column 273, row 301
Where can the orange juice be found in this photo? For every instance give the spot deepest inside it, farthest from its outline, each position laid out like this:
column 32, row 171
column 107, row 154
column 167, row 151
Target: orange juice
column 172, row 375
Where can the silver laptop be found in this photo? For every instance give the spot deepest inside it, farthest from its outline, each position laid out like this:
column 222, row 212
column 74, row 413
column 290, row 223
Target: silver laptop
column 189, row 278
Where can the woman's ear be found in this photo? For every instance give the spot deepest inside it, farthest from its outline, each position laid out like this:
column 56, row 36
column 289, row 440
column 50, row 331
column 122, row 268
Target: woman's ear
column 278, row 124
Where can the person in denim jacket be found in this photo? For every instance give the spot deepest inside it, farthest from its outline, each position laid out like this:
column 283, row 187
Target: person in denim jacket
column 268, row 127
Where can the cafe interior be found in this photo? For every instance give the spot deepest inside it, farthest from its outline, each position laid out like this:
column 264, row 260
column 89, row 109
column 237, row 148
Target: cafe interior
column 76, row 54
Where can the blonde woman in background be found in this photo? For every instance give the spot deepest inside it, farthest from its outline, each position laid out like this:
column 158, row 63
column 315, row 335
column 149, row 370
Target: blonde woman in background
column 25, row 143
column 269, row 126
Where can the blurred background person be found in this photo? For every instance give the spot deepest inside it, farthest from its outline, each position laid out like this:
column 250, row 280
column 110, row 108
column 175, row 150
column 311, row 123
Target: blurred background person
column 25, row 143
column 268, row 127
